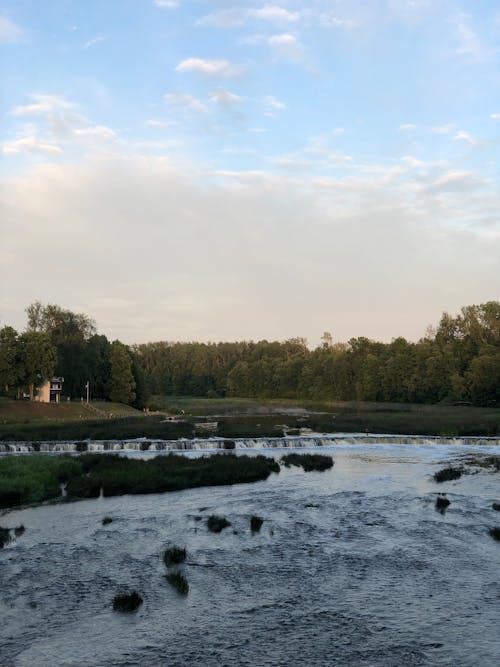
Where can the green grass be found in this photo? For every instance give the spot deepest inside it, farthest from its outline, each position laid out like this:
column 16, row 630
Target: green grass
column 174, row 556
column 178, row 581
column 127, row 601
column 308, row 462
column 447, row 474
column 36, row 478
column 216, row 524
column 241, row 417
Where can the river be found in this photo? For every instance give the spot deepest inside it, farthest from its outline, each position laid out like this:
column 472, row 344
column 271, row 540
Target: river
column 373, row 576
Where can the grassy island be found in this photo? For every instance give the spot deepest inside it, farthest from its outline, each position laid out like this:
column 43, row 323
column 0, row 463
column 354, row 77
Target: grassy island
column 38, row 478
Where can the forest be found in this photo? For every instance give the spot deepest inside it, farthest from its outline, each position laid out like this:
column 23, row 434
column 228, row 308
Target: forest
column 457, row 362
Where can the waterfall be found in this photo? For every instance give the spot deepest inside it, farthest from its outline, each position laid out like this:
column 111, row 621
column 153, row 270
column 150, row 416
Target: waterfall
column 315, row 440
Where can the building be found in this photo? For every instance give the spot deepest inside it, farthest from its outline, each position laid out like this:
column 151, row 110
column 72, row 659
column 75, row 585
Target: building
column 50, row 391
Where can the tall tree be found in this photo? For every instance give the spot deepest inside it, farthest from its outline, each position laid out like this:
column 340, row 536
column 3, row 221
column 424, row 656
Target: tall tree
column 122, row 383
column 10, row 362
column 37, row 359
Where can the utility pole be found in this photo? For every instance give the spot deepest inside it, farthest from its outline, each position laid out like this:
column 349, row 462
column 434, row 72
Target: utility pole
column 87, row 387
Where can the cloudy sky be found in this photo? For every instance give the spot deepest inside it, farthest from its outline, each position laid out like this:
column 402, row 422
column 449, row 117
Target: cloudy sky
column 227, row 170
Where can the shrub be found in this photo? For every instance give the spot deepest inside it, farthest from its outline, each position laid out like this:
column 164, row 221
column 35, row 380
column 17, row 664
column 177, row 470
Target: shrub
column 19, row 530
column 174, row 556
column 127, row 601
column 308, row 461
column 107, row 520
column 4, row 537
column 217, row 523
column 256, row 523
column 178, row 581
column 447, row 474
column 495, row 533
column 441, row 504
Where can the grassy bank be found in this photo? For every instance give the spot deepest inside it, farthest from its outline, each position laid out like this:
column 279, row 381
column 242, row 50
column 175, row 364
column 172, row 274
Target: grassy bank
column 239, row 418
column 37, row 478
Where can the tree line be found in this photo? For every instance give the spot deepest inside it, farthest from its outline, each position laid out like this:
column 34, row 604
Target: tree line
column 65, row 344
column 457, row 361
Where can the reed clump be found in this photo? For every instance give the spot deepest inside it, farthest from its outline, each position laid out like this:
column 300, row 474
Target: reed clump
column 174, row 556
column 107, row 520
column 442, row 503
column 495, row 533
column 178, row 581
column 256, row 523
column 127, row 601
column 447, row 474
column 308, row 462
column 4, row 537
column 496, row 506
column 216, row 524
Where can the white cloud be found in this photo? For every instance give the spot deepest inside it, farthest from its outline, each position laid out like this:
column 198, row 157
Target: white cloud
column 213, row 68
column 406, row 127
column 96, row 132
column 185, row 100
column 224, row 98
column 332, row 20
column 43, row 105
column 467, row 137
column 95, row 40
column 271, row 103
column 287, row 47
column 273, row 13
column 469, row 43
column 30, row 145
column 495, row 116
column 9, row 31
column 236, row 17
column 166, row 4
column 412, row 162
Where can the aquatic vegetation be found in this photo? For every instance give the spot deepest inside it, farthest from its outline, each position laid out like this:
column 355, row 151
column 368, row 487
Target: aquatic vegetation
column 312, row 505
column 178, row 581
column 127, row 601
column 174, row 555
column 495, row 533
column 447, row 474
column 216, row 524
column 107, row 520
column 442, row 503
column 256, row 523
column 308, row 461
column 19, row 530
column 496, row 506
column 4, row 537
column 37, row 478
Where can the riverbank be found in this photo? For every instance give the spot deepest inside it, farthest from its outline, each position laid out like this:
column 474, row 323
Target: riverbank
column 237, row 418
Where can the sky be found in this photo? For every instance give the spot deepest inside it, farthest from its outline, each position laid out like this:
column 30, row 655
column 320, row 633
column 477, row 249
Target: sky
column 229, row 170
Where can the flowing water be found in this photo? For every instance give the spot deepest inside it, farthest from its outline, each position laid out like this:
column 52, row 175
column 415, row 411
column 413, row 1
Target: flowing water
column 371, row 576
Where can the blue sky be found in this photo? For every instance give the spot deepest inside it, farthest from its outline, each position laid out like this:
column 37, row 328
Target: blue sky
column 218, row 170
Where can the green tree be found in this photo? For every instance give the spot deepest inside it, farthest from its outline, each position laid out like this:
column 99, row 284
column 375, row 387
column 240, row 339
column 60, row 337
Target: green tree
column 10, row 362
column 122, row 383
column 38, row 358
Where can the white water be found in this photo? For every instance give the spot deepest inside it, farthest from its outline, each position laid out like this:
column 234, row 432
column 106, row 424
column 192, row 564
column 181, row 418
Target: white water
column 196, row 444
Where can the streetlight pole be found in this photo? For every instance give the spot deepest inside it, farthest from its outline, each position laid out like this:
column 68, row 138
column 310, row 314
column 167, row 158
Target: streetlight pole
column 87, row 387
